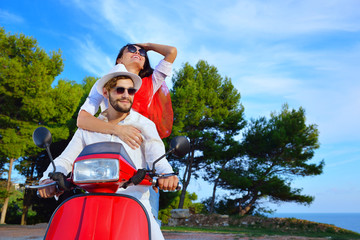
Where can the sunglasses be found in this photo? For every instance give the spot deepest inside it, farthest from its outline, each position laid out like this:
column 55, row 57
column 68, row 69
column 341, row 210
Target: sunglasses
column 133, row 49
column 121, row 90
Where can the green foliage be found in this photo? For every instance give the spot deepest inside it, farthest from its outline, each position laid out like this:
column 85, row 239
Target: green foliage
column 27, row 98
column 26, row 75
column 3, row 191
column 206, row 106
column 276, row 150
column 170, row 200
column 251, row 227
column 221, row 151
column 14, row 212
column 86, row 86
column 202, row 99
column 33, row 166
column 229, row 206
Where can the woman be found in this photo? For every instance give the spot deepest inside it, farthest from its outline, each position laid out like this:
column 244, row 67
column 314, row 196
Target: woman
column 152, row 100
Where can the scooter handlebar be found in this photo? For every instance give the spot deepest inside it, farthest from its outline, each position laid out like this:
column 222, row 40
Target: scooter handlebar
column 60, row 181
column 156, row 184
column 40, row 186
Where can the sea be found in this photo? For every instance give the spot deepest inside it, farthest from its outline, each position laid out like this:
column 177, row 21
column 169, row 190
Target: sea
column 349, row 221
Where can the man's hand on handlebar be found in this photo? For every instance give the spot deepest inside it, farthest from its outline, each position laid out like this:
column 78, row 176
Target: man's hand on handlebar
column 50, row 191
column 167, row 183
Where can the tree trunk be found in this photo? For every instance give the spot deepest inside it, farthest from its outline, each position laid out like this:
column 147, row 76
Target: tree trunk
column 244, row 210
column 213, row 196
column 27, row 195
column 187, row 177
column 24, row 215
column 214, row 190
column 8, row 187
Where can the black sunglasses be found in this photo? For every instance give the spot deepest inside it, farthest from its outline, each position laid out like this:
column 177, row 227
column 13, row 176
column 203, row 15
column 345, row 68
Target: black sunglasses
column 133, row 49
column 121, row 90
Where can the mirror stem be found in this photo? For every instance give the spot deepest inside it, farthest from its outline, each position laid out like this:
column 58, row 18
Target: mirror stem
column 51, row 158
column 168, row 152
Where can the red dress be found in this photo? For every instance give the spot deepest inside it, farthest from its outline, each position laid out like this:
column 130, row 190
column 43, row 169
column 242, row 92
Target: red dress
column 157, row 107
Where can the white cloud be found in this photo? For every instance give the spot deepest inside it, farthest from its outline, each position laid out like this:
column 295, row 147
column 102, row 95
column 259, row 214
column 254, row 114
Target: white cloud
column 323, row 81
column 7, row 17
column 240, row 18
column 136, row 22
column 233, row 36
column 91, row 57
column 270, row 86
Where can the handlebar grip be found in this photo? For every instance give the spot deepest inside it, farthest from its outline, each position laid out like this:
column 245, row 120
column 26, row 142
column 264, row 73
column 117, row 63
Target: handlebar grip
column 178, row 187
column 62, row 181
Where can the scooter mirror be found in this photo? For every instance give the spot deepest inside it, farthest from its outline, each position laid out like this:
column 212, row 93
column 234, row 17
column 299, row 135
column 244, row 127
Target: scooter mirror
column 42, row 137
column 180, row 146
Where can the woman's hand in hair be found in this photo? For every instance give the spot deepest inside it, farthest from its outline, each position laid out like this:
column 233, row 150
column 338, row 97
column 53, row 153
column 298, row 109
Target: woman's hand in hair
column 169, row 52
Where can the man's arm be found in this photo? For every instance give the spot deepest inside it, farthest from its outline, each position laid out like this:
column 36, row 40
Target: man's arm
column 130, row 135
column 153, row 147
column 63, row 163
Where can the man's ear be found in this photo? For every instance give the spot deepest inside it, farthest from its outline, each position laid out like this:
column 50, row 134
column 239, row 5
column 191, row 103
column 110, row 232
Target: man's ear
column 118, row 61
column 105, row 93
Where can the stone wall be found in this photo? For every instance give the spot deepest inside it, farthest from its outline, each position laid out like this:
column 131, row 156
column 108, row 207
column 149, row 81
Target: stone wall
column 182, row 217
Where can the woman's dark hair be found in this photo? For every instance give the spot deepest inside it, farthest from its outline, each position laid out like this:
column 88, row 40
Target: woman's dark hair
column 146, row 71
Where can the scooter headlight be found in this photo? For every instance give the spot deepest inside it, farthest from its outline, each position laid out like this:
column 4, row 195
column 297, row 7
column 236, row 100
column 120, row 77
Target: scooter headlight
column 96, row 170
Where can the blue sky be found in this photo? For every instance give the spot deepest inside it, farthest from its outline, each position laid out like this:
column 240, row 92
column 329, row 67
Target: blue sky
column 304, row 53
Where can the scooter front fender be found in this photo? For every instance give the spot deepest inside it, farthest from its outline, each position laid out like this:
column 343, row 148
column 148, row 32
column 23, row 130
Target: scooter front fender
column 99, row 216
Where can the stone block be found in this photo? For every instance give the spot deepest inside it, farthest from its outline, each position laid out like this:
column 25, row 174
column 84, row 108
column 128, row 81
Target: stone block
column 180, row 213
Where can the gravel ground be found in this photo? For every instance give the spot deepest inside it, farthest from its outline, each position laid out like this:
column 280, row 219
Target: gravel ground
column 36, row 232
column 18, row 232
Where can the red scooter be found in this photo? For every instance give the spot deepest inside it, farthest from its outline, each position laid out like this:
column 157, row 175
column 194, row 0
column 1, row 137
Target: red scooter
column 100, row 169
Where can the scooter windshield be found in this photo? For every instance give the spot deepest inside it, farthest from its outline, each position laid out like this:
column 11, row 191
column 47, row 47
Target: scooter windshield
column 106, row 148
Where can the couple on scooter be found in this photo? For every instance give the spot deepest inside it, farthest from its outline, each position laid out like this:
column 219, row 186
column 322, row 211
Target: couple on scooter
column 118, row 88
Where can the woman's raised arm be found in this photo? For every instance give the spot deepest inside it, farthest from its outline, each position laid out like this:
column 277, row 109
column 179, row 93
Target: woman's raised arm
column 169, row 52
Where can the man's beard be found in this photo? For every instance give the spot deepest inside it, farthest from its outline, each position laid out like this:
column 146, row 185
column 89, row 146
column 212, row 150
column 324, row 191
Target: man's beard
column 113, row 103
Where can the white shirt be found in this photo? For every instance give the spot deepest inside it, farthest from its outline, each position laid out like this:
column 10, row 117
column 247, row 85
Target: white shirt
column 143, row 157
column 95, row 99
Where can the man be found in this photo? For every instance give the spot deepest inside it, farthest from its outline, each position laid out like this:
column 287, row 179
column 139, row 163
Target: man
column 119, row 87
